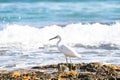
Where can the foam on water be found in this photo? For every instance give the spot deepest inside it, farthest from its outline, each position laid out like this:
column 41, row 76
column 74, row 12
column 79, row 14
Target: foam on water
column 28, row 37
column 23, row 46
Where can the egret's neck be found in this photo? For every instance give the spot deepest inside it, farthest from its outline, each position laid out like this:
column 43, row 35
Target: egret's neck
column 59, row 41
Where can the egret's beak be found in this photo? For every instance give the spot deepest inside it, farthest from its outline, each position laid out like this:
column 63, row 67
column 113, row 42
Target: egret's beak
column 52, row 38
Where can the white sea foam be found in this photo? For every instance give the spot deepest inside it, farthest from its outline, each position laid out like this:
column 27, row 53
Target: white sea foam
column 29, row 37
column 24, row 46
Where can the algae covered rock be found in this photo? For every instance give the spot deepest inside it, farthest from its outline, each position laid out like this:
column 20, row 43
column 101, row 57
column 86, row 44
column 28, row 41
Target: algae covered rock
column 64, row 71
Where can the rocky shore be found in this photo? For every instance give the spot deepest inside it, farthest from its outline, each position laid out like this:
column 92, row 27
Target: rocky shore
column 63, row 71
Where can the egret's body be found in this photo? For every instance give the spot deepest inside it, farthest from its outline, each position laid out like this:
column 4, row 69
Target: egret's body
column 66, row 50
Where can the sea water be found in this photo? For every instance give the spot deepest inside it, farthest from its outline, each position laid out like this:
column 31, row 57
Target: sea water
column 91, row 27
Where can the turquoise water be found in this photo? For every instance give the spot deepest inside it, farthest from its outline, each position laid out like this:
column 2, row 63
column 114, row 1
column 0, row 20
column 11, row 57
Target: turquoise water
column 91, row 27
column 44, row 12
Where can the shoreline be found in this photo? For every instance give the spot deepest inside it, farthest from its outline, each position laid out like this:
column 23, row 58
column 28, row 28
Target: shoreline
column 63, row 71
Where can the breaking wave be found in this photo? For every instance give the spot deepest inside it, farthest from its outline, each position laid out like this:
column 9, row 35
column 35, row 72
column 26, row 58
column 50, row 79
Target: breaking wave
column 29, row 37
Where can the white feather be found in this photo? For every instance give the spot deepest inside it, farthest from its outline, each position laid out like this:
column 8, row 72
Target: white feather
column 66, row 50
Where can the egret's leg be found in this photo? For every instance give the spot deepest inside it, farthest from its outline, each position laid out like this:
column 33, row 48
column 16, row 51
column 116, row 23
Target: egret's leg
column 66, row 60
column 70, row 64
column 70, row 60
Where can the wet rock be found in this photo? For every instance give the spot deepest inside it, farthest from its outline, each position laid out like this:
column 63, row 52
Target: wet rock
column 62, row 68
column 63, row 71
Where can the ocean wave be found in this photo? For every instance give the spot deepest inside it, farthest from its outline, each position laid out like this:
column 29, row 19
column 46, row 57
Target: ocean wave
column 29, row 37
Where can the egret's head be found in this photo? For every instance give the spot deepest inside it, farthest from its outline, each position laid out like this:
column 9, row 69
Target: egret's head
column 56, row 37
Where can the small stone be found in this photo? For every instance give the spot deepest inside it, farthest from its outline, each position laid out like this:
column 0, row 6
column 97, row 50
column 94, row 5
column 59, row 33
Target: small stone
column 62, row 68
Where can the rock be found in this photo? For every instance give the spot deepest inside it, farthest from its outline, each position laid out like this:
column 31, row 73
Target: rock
column 63, row 71
column 62, row 68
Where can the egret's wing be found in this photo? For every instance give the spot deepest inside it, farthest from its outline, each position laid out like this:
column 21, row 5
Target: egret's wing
column 68, row 51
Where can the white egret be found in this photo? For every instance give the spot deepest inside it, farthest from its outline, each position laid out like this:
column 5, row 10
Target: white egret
column 66, row 50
